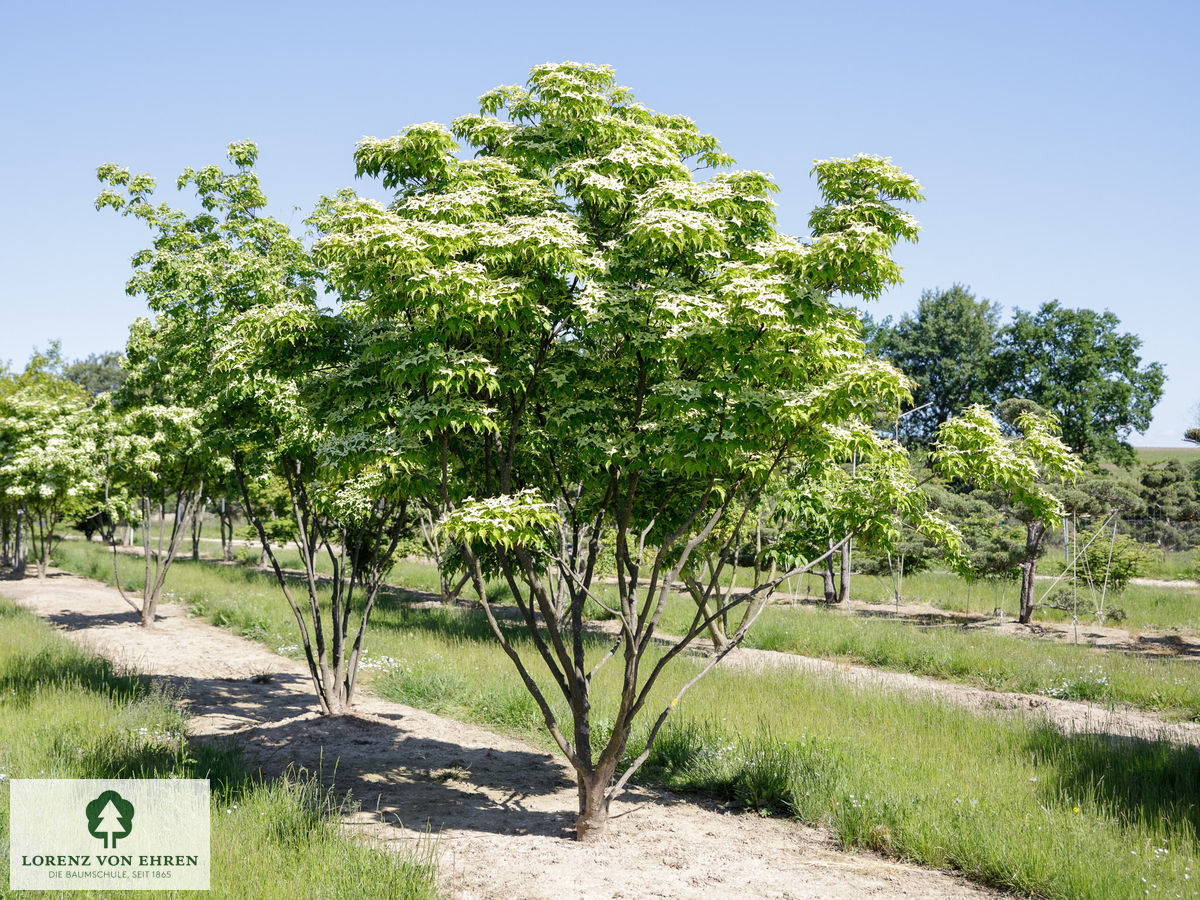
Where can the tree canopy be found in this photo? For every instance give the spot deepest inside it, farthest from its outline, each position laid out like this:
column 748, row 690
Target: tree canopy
column 947, row 348
column 1077, row 363
column 583, row 337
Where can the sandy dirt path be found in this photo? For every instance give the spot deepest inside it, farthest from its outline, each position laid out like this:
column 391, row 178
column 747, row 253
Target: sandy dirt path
column 413, row 771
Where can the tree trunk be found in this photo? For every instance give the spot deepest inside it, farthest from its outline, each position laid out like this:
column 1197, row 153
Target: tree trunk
column 844, row 579
column 715, row 631
column 197, row 527
column 1034, row 532
column 43, row 541
column 593, row 804
column 226, row 518
column 20, row 546
column 335, row 698
column 827, row 576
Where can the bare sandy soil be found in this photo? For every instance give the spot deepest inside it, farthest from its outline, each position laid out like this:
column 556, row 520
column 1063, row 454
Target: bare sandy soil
column 501, row 809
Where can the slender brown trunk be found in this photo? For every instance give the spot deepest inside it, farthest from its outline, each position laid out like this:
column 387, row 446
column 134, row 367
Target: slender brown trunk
column 844, row 576
column 226, row 519
column 20, row 545
column 335, row 698
column 715, row 631
column 827, row 576
column 1034, row 532
column 197, row 526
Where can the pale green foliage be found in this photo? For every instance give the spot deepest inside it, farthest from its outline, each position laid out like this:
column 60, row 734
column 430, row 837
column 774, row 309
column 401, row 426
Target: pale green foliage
column 972, row 447
column 505, row 521
column 239, row 339
column 590, row 340
column 47, row 448
column 150, row 443
column 47, row 458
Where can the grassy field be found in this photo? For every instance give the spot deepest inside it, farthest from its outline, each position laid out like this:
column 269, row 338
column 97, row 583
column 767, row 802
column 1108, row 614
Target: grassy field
column 1167, row 607
column 1172, row 565
column 993, row 661
column 249, row 601
column 1009, row 802
column 1152, row 455
column 1170, row 607
column 67, row 714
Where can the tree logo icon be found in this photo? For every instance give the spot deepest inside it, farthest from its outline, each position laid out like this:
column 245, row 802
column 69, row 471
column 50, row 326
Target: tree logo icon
column 110, row 816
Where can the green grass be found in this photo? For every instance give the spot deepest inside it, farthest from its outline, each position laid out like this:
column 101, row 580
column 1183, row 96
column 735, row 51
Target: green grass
column 1168, row 608
column 1008, row 801
column 993, row 661
column 1171, row 565
column 1148, row 456
column 65, row 713
column 248, row 601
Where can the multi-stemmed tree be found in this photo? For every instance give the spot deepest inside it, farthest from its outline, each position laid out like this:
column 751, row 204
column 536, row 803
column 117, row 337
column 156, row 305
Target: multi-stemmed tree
column 590, row 341
column 565, row 342
column 153, row 459
column 238, row 335
column 47, row 461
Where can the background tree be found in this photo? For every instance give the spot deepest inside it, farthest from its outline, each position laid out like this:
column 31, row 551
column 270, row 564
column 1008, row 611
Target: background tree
column 99, row 373
column 947, row 348
column 47, row 458
column 154, row 460
column 1076, row 363
column 238, row 331
column 1171, row 494
column 1025, row 471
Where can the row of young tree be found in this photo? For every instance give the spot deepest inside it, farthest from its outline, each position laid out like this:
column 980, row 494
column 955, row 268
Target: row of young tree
column 560, row 353
column 1075, row 363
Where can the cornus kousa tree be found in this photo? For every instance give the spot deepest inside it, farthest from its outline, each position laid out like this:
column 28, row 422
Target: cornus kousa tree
column 237, row 329
column 47, row 461
column 592, row 341
column 1025, row 468
column 153, row 459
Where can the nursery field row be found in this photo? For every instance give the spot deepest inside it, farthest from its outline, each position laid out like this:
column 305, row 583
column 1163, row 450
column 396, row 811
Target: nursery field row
column 1008, row 800
column 971, row 656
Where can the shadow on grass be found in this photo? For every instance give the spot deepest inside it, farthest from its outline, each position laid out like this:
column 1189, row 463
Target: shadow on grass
column 54, row 665
column 1137, row 780
column 1167, row 645
column 925, row 620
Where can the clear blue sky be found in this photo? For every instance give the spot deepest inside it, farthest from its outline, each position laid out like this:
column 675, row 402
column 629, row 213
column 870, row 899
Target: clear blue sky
column 1056, row 141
